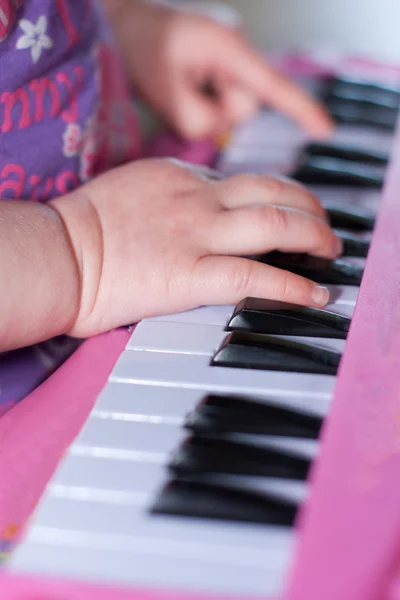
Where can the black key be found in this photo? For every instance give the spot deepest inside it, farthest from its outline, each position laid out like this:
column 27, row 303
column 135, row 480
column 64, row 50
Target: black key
column 390, row 88
column 377, row 99
column 353, row 245
column 235, row 414
column 266, row 316
column 358, row 90
column 201, row 499
column 349, row 217
column 204, row 455
column 370, row 157
column 320, row 270
column 338, row 172
column 358, row 113
column 242, row 350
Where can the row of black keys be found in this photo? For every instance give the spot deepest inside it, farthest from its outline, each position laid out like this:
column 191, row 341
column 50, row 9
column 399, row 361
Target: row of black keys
column 353, row 103
column 207, row 468
column 248, row 347
column 343, row 219
column 334, row 165
column 213, row 470
column 339, row 271
column 252, row 344
column 362, row 103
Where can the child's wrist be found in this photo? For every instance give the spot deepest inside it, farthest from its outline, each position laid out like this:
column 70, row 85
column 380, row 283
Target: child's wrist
column 84, row 230
column 38, row 274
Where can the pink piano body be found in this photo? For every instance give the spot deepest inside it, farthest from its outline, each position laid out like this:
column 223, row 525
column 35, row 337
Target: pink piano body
column 349, row 546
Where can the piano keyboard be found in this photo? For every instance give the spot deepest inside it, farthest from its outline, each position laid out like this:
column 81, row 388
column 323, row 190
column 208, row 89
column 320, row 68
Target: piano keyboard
column 194, row 463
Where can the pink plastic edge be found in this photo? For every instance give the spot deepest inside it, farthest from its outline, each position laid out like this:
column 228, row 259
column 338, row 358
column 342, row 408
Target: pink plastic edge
column 340, row 521
column 82, row 378
column 33, row 589
column 36, row 432
column 395, row 590
column 351, row 527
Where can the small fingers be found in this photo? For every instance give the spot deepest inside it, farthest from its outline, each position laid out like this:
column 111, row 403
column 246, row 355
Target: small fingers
column 253, row 230
column 272, row 88
column 246, row 190
column 227, row 280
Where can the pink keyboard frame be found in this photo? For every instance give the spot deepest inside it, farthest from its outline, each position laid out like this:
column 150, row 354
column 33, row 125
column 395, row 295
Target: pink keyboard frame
column 349, row 545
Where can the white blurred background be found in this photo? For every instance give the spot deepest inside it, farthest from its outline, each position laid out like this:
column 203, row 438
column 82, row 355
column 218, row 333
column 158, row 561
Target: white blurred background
column 363, row 27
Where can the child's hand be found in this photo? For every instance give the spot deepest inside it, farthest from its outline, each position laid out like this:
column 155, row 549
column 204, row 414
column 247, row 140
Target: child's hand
column 154, row 237
column 171, row 55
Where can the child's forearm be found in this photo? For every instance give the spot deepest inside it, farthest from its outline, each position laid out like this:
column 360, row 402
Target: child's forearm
column 39, row 278
column 114, row 8
column 134, row 20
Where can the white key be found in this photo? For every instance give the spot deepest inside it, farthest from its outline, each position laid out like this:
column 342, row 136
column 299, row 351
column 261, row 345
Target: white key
column 128, row 441
column 255, row 155
column 81, row 477
column 356, row 260
column 178, row 338
column 370, row 200
column 185, row 338
column 154, row 368
column 143, row 403
column 207, row 315
column 120, row 518
column 170, row 405
column 107, row 480
column 341, row 296
column 144, row 442
column 180, row 567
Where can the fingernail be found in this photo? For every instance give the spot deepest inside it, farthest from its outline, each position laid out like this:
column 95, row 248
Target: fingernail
column 320, row 295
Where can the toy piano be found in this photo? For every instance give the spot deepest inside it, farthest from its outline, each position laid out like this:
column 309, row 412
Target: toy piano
column 236, row 452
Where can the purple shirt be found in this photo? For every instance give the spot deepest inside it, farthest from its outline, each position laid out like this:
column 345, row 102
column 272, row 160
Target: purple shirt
column 65, row 109
column 65, row 115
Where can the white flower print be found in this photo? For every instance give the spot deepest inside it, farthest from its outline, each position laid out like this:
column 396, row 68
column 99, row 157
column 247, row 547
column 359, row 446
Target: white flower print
column 72, row 140
column 83, row 144
column 35, row 37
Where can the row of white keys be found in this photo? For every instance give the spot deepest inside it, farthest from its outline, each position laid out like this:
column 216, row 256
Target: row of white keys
column 194, row 371
column 98, row 501
column 115, row 467
column 156, row 442
column 251, row 144
column 113, row 540
column 148, row 403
